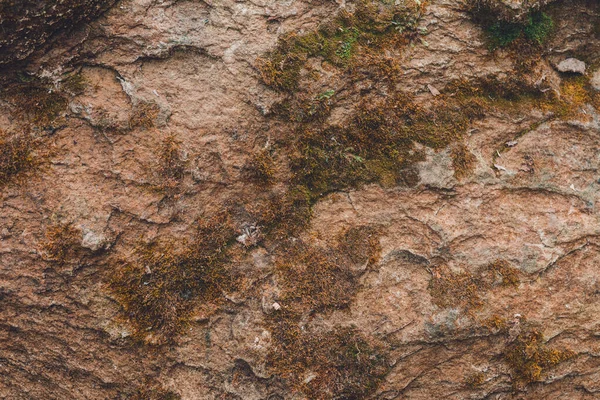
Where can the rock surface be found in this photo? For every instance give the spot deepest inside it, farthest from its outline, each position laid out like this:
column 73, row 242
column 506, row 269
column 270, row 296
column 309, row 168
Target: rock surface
column 595, row 81
column 470, row 272
column 25, row 24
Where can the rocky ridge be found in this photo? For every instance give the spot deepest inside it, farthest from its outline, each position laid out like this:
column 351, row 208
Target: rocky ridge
column 191, row 209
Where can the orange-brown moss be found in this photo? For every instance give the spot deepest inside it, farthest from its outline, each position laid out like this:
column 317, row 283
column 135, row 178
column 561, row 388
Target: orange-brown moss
column 466, row 290
column 261, row 167
column 61, row 243
column 16, row 155
column 341, row 363
column 529, row 357
column 475, row 380
column 496, row 324
column 502, row 269
column 450, row 289
column 314, row 278
column 160, row 287
column 463, row 161
column 360, row 244
column 40, row 104
column 144, row 115
column 171, row 163
column 283, row 214
column 150, row 391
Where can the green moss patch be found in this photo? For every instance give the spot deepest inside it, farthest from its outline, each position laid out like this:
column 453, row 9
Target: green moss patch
column 373, row 24
column 535, row 29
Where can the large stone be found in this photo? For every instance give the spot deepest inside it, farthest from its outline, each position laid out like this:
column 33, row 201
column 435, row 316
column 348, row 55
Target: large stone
column 572, row 65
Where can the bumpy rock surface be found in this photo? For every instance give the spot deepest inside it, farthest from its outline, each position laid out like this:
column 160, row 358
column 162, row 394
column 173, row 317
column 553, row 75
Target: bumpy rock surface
column 25, row 24
column 469, row 270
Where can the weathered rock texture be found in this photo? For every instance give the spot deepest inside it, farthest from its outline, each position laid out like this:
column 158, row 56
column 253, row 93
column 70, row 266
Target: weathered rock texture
column 155, row 236
column 27, row 24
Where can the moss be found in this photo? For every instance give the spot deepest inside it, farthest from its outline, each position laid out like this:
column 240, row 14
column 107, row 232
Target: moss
column 378, row 144
column 38, row 103
column 576, row 92
column 337, row 364
column 466, row 290
column 475, row 380
column 534, row 29
column 529, row 357
column 144, row 115
column 496, row 324
column 502, row 33
column 74, row 84
column 303, row 109
column 463, row 161
column 313, row 278
column 503, row 270
column 455, row 289
column 337, row 41
column 153, row 392
column 285, row 214
column 160, row 288
column 361, row 245
column 16, row 156
column 171, row 164
column 261, row 167
column 538, row 27
column 61, row 243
